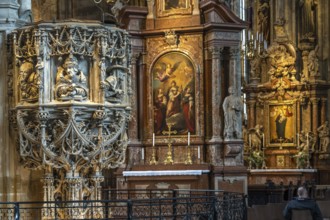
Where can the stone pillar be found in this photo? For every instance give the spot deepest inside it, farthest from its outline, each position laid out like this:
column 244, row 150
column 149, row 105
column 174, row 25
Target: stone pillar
column 216, row 94
column 13, row 184
column 315, row 114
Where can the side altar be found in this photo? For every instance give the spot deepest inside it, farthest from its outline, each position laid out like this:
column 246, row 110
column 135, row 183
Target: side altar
column 287, row 135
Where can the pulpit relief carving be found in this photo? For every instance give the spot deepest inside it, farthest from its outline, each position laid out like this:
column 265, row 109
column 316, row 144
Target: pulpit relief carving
column 71, row 82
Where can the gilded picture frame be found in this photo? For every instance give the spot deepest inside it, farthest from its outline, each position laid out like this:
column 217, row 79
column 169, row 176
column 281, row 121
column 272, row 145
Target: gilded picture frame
column 174, row 7
column 174, row 99
column 281, row 125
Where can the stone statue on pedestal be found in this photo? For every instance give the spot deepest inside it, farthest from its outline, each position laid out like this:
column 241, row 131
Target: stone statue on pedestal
column 232, row 107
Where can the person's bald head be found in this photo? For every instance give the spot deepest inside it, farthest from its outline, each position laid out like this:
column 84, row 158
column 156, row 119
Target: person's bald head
column 302, row 192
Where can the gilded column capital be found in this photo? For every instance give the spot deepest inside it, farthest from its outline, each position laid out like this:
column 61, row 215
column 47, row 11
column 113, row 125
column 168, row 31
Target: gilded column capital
column 315, row 101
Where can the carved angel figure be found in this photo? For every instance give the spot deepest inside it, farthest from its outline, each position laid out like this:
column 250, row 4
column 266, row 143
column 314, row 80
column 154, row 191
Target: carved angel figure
column 70, row 81
column 29, row 81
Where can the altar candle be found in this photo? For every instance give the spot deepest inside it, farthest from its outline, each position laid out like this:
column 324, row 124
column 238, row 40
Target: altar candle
column 250, row 141
column 307, row 140
column 142, row 153
column 199, row 152
column 188, row 138
column 153, row 139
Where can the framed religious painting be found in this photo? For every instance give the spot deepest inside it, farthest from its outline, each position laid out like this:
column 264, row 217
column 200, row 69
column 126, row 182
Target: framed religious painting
column 174, row 7
column 173, row 76
column 281, row 125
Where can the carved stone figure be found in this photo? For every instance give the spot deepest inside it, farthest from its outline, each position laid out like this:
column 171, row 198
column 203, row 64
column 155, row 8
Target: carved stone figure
column 255, row 67
column 29, row 81
column 264, row 19
column 313, row 62
column 324, row 135
column 112, row 84
column 70, row 81
column 307, row 8
column 232, row 107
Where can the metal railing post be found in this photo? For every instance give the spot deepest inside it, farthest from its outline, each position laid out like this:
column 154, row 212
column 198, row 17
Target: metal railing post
column 129, row 209
column 174, row 194
column 244, row 207
column 214, row 205
column 16, row 211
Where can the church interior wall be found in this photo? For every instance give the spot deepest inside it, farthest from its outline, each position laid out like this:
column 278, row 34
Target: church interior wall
column 213, row 52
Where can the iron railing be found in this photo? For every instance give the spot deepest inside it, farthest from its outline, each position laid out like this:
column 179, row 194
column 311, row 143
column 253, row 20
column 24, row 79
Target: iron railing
column 135, row 204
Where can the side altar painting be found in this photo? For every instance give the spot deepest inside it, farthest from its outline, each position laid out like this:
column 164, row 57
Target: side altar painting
column 174, row 93
column 282, row 128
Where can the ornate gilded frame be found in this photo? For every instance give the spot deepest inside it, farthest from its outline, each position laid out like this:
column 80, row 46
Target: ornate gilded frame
column 174, row 7
column 280, row 127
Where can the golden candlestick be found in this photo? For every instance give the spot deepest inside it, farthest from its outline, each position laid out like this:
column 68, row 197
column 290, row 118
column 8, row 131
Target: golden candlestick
column 169, row 158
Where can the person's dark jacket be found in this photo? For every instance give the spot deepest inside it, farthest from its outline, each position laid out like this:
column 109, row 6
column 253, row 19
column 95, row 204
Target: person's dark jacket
column 300, row 204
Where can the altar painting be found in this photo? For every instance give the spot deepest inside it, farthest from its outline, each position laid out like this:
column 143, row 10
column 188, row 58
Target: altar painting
column 282, row 131
column 174, row 93
column 174, row 7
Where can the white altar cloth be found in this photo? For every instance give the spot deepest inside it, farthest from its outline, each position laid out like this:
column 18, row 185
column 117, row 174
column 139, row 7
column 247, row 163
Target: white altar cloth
column 165, row 173
column 283, row 170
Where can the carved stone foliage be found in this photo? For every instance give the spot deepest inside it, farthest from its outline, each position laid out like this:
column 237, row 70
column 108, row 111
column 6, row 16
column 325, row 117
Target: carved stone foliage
column 71, row 108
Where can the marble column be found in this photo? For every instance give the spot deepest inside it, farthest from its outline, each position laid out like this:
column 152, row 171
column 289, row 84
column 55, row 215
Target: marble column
column 133, row 129
column 216, row 93
column 323, row 110
column 251, row 111
column 143, row 100
column 235, row 69
column 298, row 117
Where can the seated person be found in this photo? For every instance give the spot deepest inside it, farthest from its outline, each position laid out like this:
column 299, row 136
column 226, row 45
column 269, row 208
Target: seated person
column 302, row 202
